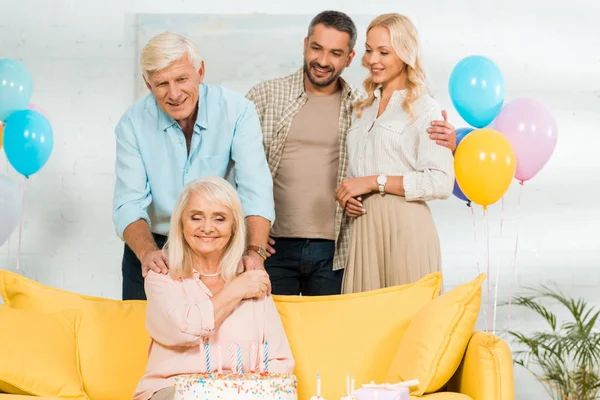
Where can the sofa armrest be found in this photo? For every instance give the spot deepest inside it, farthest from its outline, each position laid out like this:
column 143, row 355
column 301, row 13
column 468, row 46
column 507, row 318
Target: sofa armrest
column 486, row 371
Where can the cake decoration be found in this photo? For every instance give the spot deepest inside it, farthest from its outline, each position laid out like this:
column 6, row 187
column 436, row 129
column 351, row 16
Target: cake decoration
column 318, row 396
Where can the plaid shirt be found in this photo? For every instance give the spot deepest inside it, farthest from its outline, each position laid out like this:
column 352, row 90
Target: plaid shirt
column 277, row 102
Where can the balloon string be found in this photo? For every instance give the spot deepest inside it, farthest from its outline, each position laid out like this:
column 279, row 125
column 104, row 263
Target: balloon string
column 489, row 289
column 21, row 225
column 502, row 216
column 496, row 298
column 475, row 239
column 477, row 254
column 512, row 278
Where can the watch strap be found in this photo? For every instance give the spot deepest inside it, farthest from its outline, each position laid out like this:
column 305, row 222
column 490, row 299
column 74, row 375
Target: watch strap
column 261, row 252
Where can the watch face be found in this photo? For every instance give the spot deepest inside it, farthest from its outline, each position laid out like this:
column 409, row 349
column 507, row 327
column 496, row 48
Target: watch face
column 381, row 179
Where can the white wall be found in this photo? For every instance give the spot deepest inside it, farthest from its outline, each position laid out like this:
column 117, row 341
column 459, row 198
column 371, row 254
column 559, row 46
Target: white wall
column 82, row 55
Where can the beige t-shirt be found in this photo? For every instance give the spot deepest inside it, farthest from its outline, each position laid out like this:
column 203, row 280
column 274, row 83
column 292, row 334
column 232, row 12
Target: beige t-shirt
column 306, row 179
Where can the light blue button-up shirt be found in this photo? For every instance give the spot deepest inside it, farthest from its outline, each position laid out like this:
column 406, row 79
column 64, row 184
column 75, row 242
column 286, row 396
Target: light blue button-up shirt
column 153, row 166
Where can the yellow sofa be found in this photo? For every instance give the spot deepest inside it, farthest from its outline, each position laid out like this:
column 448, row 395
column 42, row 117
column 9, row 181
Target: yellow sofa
column 91, row 348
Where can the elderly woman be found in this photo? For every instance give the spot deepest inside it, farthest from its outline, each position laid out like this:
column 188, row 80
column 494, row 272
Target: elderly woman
column 203, row 298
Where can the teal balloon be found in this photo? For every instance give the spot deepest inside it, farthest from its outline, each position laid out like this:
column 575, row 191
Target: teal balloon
column 16, row 87
column 28, row 141
column 477, row 90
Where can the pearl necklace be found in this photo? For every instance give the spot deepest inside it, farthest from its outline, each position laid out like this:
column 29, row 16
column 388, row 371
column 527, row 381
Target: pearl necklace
column 209, row 275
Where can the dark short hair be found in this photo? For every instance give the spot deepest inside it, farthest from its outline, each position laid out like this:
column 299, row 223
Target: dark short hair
column 336, row 20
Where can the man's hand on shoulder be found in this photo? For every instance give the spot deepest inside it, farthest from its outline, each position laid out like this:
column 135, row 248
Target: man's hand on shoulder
column 443, row 132
column 156, row 261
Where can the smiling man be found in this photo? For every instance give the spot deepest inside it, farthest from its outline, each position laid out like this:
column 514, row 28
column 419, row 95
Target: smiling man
column 182, row 130
column 305, row 119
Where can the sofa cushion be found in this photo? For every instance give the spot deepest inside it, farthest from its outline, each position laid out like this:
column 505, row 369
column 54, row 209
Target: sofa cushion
column 356, row 334
column 38, row 354
column 436, row 339
column 486, row 370
column 4, row 396
column 113, row 341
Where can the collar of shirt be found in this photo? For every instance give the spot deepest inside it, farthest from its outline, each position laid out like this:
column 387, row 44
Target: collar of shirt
column 397, row 93
column 166, row 121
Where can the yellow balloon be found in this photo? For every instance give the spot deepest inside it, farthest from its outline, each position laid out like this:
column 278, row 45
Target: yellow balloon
column 1, row 129
column 485, row 165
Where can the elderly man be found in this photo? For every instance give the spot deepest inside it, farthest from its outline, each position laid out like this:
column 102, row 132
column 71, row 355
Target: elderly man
column 182, row 130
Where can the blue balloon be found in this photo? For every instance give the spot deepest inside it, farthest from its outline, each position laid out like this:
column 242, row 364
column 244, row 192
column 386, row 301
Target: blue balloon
column 458, row 193
column 16, row 87
column 460, row 135
column 28, row 141
column 477, row 90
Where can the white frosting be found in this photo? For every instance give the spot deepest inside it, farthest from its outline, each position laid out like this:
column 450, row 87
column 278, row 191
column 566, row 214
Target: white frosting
column 230, row 386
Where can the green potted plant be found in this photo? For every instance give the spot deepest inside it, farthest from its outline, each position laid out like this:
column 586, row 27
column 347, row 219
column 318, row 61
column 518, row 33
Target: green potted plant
column 565, row 358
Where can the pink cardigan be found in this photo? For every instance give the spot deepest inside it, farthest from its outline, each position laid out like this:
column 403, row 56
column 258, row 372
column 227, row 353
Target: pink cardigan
column 180, row 313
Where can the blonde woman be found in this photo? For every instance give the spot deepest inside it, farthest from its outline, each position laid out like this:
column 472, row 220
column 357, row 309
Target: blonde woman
column 394, row 167
column 203, row 299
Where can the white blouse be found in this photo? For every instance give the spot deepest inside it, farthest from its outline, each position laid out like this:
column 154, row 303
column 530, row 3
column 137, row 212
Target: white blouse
column 393, row 145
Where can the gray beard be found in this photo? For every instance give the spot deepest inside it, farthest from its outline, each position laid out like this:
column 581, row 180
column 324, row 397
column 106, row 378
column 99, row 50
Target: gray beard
column 320, row 84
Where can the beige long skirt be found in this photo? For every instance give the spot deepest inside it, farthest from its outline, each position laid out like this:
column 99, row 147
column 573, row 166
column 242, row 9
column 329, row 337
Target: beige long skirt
column 395, row 242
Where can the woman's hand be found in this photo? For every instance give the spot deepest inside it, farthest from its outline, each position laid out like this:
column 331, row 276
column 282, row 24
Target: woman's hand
column 254, row 284
column 354, row 207
column 354, row 187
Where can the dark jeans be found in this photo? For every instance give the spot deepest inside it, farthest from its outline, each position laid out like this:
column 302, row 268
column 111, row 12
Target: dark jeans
column 303, row 266
column 133, row 282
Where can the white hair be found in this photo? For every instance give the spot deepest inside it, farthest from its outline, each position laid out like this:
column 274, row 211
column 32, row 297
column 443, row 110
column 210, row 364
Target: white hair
column 218, row 191
column 165, row 48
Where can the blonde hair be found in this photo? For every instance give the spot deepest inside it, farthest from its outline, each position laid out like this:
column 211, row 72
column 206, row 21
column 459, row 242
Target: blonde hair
column 405, row 42
column 165, row 48
column 216, row 190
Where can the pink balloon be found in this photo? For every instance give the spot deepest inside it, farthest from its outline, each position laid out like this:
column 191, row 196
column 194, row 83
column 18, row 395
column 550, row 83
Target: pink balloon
column 531, row 129
column 37, row 108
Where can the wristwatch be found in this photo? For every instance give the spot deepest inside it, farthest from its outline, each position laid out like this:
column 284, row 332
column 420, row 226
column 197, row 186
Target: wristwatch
column 261, row 252
column 381, row 181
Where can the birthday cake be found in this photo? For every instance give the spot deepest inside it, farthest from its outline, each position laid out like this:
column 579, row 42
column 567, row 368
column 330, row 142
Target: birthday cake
column 231, row 385
column 381, row 393
column 372, row 391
